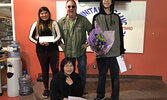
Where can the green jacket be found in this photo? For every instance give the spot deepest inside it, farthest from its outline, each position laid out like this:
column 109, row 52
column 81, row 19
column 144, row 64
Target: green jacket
column 74, row 42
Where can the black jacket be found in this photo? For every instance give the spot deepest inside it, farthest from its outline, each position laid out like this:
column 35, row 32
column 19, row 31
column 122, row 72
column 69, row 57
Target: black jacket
column 60, row 89
column 46, row 32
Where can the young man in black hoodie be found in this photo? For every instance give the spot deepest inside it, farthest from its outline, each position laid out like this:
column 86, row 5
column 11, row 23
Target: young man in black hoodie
column 109, row 21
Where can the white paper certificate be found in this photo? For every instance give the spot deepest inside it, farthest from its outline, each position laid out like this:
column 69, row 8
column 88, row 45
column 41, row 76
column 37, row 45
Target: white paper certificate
column 121, row 64
column 75, row 98
column 46, row 39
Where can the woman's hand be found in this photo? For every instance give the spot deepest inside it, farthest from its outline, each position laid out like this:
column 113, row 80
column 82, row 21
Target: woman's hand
column 41, row 43
column 36, row 37
column 69, row 81
column 65, row 98
column 46, row 43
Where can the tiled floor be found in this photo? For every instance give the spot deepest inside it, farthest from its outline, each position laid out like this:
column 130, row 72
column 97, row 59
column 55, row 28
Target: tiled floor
column 130, row 89
column 5, row 96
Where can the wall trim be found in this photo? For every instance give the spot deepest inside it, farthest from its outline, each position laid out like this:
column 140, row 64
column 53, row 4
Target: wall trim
column 146, row 77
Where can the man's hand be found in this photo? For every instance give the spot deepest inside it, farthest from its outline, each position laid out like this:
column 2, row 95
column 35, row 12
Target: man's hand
column 84, row 46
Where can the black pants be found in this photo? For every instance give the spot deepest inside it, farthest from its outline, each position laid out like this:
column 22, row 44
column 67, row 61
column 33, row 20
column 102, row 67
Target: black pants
column 46, row 59
column 103, row 65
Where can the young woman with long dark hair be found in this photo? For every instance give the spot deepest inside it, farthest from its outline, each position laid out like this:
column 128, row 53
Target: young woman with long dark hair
column 47, row 52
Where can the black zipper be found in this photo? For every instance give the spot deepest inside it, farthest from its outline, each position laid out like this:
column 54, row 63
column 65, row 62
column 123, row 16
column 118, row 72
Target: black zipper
column 106, row 23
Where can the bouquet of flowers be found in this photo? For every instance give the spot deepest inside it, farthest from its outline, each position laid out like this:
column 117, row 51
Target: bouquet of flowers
column 100, row 42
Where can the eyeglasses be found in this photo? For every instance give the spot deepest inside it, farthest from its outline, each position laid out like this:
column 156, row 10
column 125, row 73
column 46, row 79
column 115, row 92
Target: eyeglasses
column 71, row 6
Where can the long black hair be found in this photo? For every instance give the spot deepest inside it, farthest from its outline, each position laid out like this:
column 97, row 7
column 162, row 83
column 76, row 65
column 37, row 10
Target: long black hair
column 43, row 9
column 65, row 61
column 40, row 23
column 102, row 7
column 102, row 11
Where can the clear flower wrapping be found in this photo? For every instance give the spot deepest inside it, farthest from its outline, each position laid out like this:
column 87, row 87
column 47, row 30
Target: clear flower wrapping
column 100, row 42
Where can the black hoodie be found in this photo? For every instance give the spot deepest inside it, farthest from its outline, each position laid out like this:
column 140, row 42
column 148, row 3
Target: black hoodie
column 112, row 22
column 102, row 10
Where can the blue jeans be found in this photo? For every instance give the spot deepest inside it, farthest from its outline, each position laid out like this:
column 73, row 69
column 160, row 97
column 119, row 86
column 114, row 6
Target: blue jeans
column 103, row 65
column 82, row 62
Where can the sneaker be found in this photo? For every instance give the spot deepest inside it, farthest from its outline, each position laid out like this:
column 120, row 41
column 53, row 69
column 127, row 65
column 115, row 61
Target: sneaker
column 100, row 98
column 46, row 94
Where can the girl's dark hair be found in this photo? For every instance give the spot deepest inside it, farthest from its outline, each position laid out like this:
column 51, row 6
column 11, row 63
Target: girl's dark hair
column 65, row 61
column 43, row 9
column 40, row 23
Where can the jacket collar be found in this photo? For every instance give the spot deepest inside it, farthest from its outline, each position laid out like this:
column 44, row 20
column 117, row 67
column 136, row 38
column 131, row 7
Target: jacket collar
column 65, row 18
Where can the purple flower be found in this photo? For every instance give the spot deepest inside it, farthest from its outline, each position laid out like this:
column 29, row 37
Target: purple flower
column 99, row 42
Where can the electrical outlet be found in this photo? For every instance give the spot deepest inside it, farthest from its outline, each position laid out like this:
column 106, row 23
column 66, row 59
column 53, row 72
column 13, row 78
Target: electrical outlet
column 130, row 67
column 94, row 66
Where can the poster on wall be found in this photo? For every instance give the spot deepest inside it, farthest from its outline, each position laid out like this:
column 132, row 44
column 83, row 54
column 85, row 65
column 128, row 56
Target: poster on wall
column 132, row 15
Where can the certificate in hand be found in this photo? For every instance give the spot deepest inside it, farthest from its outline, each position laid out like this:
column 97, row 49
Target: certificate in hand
column 46, row 39
column 75, row 98
column 121, row 64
